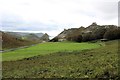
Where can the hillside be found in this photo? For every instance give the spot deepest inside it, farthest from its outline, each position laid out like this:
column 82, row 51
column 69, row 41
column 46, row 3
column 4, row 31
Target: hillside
column 47, row 48
column 45, row 37
column 31, row 36
column 0, row 40
column 20, row 34
column 101, row 62
column 27, row 36
column 10, row 41
column 92, row 32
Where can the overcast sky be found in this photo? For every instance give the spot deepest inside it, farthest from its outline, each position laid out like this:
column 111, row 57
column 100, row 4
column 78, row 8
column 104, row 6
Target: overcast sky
column 52, row 16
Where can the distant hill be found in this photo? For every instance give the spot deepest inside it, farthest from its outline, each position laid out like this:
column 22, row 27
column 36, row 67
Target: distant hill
column 45, row 37
column 24, row 33
column 92, row 32
column 31, row 36
column 39, row 34
column 17, row 39
column 10, row 41
column 28, row 36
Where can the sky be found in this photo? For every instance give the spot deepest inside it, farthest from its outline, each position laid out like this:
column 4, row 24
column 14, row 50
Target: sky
column 53, row 16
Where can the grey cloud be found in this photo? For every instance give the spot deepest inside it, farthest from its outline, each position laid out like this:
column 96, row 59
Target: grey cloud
column 109, row 9
column 13, row 22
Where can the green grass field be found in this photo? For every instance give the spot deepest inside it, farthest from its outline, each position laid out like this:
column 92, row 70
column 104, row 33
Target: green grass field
column 77, row 62
column 47, row 48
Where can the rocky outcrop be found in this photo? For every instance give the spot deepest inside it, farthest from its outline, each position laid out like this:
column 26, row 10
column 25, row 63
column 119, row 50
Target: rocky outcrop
column 45, row 38
column 93, row 31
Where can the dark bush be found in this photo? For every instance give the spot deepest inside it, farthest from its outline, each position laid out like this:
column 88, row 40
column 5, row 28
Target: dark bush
column 112, row 34
column 54, row 39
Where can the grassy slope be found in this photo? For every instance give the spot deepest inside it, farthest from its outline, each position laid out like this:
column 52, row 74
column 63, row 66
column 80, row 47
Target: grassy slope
column 46, row 48
column 10, row 41
column 95, row 63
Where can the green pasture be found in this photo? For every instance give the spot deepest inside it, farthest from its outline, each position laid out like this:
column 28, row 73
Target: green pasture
column 47, row 48
column 101, row 62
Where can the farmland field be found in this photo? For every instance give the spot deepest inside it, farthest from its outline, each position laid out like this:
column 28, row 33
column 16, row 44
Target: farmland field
column 46, row 48
column 70, row 60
